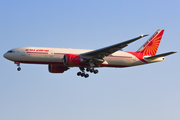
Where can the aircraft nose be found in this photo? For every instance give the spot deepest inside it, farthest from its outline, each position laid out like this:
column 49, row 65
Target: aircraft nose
column 5, row 55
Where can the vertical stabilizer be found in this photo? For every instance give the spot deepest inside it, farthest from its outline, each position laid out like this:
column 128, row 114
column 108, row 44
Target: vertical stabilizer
column 151, row 46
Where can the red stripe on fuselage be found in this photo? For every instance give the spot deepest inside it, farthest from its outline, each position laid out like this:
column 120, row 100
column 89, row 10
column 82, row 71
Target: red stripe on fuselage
column 139, row 56
column 61, row 63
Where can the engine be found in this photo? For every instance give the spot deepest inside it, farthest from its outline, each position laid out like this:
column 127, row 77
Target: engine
column 71, row 59
column 57, row 68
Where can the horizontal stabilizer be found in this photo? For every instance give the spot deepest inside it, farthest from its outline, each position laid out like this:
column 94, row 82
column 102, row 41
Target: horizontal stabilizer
column 160, row 55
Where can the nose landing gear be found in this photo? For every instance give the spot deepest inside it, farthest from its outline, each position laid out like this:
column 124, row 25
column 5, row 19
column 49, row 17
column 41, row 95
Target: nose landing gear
column 18, row 68
column 18, row 64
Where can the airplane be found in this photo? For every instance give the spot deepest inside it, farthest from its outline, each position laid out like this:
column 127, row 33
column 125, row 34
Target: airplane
column 61, row 59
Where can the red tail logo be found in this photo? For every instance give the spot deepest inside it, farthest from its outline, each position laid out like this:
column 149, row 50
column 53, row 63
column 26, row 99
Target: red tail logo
column 151, row 46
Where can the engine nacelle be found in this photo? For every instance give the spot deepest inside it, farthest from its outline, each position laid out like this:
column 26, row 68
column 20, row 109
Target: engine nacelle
column 56, row 68
column 71, row 59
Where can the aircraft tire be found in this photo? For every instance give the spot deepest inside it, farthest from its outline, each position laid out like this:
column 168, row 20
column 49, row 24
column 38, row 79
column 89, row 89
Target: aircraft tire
column 96, row 71
column 79, row 73
column 87, row 69
column 86, row 75
column 82, row 74
column 18, row 69
column 91, row 70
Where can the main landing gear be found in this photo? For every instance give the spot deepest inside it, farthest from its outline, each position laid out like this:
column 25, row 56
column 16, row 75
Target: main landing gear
column 92, row 70
column 83, row 74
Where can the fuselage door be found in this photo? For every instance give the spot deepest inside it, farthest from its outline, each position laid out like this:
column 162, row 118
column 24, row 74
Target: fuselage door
column 51, row 53
column 23, row 53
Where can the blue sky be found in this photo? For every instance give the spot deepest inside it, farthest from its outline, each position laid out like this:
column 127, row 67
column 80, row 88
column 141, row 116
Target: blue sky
column 148, row 92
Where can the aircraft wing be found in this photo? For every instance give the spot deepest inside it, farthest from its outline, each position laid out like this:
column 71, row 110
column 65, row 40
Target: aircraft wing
column 103, row 52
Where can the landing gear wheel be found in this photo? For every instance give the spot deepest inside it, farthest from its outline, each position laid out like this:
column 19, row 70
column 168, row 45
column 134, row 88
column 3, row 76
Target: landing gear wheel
column 79, row 73
column 86, row 75
column 91, row 70
column 18, row 68
column 96, row 71
column 82, row 74
column 87, row 69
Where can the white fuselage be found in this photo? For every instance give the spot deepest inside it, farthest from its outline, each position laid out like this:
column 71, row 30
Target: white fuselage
column 42, row 55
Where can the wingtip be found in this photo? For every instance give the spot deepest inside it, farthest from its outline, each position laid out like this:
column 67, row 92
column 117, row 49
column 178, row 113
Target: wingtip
column 144, row 35
column 174, row 51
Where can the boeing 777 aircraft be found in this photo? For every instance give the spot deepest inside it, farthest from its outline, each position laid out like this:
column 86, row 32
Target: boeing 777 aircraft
column 60, row 59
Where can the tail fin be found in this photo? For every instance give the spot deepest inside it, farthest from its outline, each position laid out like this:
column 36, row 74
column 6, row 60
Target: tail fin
column 151, row 46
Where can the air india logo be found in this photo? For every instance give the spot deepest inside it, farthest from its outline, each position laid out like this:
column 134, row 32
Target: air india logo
column 151, row 46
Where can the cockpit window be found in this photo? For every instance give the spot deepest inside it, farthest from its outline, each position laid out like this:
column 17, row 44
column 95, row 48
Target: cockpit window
column 10, row 51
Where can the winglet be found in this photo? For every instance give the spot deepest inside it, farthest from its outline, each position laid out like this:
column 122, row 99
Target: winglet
column 144, row 35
